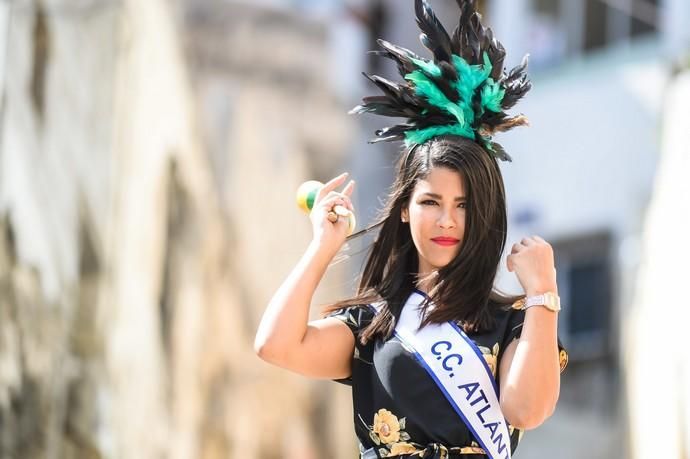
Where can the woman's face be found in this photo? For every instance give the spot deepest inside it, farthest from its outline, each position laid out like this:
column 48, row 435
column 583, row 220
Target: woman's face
column 436, row 214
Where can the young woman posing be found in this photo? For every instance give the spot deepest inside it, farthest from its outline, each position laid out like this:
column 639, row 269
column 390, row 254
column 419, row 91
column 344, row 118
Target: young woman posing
column 441, row 365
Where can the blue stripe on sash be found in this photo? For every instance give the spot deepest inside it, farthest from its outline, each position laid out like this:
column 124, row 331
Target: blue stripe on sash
column 457, row 409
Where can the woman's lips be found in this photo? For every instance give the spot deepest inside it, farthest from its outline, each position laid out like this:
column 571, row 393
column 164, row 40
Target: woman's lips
column 445, row 241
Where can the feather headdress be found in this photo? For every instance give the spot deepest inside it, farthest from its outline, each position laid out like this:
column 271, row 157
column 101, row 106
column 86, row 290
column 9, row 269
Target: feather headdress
column 463, row 90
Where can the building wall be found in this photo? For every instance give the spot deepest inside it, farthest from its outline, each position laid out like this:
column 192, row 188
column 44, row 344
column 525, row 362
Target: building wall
column 147, row 215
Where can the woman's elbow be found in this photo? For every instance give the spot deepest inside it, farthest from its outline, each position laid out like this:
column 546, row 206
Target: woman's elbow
column 525, row 421
column 264, row 349
column 260, row 348
column 528, row 418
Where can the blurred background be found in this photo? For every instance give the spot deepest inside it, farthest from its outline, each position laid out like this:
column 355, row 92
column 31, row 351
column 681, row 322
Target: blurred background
column 149, row 155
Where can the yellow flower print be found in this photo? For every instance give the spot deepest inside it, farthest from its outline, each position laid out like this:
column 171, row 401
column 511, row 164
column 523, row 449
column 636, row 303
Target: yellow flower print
column 386, row 426
column 472, row 450
column 563, row 359
column 491, row 357
column 401, row 448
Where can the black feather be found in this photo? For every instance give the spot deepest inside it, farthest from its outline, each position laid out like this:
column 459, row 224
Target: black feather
column 448, row 71
column 394, row 130
column 443, row 83
column 390, row 138
column 382, row 105
column 434, row 36
column 497, row 54
column 491, row 118
column 499, row 152
column 401, row 56
column 516, row 84
column 391, row 89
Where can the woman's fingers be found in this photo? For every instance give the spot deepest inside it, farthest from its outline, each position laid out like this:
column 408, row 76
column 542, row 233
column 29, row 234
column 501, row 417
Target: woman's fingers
column 336, row 202
column 532, row 261
column 347, row 192
column 340, row 198
column 328, row 191
column 517, row 248
column 331, row 185
column 539, row 239
column 349, row 188
column 526, row 242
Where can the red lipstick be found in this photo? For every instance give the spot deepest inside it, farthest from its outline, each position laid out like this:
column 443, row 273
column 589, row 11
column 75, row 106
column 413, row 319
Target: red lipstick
column 445, row 241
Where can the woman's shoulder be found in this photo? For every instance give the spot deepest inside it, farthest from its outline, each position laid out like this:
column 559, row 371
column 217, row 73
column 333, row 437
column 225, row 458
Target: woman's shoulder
column 504, row 325
column 510, row 318
column 355, row 316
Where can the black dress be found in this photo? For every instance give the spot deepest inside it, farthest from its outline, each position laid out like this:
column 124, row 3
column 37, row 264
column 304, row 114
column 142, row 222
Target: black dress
column 398, row 410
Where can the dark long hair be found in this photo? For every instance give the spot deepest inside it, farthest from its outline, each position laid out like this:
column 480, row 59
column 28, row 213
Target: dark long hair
column 462, row 290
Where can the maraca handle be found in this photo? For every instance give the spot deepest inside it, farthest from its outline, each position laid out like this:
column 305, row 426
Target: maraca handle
column 341, row 211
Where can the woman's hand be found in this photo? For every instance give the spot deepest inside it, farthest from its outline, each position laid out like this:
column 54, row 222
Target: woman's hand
column 327, row 234
column 532, row 261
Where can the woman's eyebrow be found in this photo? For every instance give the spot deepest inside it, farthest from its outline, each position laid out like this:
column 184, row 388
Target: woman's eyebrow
column 438, row 196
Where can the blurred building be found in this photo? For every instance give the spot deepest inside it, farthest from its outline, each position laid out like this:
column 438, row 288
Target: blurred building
column 248, row 93
column 145, row 153
column 654, row 338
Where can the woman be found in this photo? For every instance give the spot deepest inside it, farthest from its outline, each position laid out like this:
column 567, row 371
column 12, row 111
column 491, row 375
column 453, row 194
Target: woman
column 440, row 364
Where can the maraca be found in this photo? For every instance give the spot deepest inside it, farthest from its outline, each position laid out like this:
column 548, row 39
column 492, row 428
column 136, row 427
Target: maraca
column 306, row 195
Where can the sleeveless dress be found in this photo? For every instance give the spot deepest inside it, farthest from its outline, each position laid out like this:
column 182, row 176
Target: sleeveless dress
column 399, row 412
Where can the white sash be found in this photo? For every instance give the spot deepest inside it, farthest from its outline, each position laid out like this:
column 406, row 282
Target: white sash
column 456, row 365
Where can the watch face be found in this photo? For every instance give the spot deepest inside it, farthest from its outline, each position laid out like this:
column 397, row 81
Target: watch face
column 551, row 301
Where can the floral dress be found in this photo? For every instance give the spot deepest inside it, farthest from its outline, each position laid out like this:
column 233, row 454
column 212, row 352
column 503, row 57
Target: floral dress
column 398, row 409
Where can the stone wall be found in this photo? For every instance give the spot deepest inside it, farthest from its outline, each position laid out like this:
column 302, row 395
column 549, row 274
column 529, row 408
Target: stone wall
column 148, row 158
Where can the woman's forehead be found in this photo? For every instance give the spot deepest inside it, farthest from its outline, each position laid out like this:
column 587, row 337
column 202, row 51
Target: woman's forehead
column 441, row 180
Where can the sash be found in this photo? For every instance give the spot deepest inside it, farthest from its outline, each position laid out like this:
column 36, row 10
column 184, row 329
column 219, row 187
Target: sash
column 456, row 365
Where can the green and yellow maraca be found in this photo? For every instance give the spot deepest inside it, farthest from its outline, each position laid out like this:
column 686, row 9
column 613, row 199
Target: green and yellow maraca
column 306, row 196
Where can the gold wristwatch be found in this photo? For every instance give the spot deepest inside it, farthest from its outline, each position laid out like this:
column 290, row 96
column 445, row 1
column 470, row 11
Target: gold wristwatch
column 549, row 300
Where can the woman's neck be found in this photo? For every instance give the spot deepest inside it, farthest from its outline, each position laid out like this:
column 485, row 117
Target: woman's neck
column 426, row 281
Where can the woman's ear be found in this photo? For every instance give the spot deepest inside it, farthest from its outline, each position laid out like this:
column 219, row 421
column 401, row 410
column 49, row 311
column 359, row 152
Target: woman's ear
column 404, row 215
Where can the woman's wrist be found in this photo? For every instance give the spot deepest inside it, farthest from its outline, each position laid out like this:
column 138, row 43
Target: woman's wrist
column 541, row 289
column 319, row 249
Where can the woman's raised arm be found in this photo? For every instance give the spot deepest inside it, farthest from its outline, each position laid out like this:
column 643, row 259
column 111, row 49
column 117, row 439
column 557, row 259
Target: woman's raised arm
column 529, row 370
column 321, row 348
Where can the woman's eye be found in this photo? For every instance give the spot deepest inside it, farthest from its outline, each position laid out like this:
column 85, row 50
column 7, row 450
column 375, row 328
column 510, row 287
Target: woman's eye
column 430, row 202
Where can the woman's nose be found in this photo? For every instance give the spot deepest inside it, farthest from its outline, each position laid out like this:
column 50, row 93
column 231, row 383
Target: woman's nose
column 446, row 220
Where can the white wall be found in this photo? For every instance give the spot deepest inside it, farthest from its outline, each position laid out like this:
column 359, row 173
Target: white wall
column 4, row 26
column 588, row 159
column 658, row 316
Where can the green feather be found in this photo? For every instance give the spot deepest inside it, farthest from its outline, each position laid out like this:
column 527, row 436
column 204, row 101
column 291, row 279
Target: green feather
column 426, row 88
column 429, row 67
column 419, row 136
column 470, row 77
column 492, row 96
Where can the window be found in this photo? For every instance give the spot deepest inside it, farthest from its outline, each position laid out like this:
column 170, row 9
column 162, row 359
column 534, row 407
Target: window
column 562, row 28
column 585, row 285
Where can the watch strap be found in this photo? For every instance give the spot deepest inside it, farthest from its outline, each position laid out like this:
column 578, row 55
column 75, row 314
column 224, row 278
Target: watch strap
column 548, row 300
